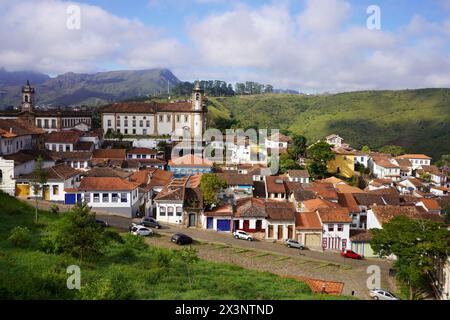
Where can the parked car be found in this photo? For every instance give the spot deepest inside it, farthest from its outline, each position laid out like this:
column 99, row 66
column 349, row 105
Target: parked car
column 290, row 243
column 139, row 230
column 101, row 223
column 239, row 234
column 181, row 239
column 351, row 254
column 150, row 222
column 380, row 294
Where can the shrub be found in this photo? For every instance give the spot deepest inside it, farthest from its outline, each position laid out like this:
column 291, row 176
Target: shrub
column 54, row 209
column 20, row 237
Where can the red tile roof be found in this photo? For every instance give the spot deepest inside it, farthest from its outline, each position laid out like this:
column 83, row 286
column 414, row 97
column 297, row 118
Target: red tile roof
column 190, row 160
column 431, row 204
column 385, row 214
column 68, row 137
column 106, row 184
column 142, row 151
column 340, row 215
column 307, row 221
column 414, row 156
column 109, row 154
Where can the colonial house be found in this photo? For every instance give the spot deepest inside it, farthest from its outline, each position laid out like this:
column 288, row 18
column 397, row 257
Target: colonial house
column 48, row 120
column 276, row 188
column 406, row 168
column 59, row 178
column 361, row 158
column 16, row 136
column 219, row 219
column 67, row 141
column 440, row 191
column 417, row 160
column 278, row 141
column 180, row 202
column 336, row 228
column 106, row 156
column 147, row 158
column 308, row 228
column 18, row 164
column 384, row 168
column 410, row 185
column 189, row 165
column 113, row 195
column 280, row 220
column 178, row 119
column 335, row 141
column 77, row 160
column 300, row 176
column 343, row 163
column 250, row 215
column 430, row 205
column 437, row 177
column 238, row 185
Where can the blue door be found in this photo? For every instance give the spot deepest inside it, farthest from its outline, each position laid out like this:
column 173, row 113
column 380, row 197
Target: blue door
column 79, row 198
column 223, row 225
column 70, row 198
column 209, row 223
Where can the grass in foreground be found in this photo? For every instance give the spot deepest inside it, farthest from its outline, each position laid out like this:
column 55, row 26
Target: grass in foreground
column 127, row 269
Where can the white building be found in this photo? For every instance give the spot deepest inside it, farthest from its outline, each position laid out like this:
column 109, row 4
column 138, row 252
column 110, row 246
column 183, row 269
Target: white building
column 384, row 168
column 417, row 160
column 111, row 194
column 178, row 119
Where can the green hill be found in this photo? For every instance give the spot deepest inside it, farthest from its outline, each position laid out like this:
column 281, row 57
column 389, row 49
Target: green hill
column 418, row 120
column 126, row 269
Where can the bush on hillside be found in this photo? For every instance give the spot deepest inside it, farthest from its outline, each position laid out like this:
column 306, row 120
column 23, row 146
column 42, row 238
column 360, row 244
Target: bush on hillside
column 20, row 237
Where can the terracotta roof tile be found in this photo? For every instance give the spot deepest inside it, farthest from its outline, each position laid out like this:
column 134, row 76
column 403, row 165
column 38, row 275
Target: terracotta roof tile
column 307, row 221
column 106, row 184
column 109, row 154
column 341, row 215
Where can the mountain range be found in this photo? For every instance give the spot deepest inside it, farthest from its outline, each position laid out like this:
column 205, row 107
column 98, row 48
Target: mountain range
column 84, row 89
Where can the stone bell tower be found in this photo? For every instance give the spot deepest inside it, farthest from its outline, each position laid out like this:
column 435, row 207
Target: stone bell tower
column 27, row 97
column 197, row 97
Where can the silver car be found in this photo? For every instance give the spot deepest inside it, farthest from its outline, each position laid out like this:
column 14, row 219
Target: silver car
column 290, row 243
column 380, row 294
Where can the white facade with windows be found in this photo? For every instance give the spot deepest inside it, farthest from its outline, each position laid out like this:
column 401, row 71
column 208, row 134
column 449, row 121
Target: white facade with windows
column 169, row 211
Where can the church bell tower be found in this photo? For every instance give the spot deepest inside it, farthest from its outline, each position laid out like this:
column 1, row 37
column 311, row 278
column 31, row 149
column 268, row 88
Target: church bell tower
column 197, row 97
column 27, row 97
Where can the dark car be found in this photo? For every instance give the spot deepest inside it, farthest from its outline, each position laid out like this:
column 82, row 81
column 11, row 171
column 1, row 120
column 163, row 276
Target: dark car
column 101, row 223
column 150, row 222
column 180, row 238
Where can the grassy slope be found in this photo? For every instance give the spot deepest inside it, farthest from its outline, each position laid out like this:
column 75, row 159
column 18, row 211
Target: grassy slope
column 32, row 274
column 419, row 120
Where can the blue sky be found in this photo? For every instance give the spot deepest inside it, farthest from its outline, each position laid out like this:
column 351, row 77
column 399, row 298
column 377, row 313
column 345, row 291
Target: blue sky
column 311, row 45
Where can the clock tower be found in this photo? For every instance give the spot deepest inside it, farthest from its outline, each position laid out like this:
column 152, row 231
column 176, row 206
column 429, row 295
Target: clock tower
column 27, row 98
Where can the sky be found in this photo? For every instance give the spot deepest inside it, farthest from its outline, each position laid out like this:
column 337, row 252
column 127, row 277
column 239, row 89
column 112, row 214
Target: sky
column 307, row 45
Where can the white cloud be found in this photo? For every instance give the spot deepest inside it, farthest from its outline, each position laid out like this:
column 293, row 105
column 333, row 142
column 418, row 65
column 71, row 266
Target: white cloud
column 37, row 38
column 320, row 50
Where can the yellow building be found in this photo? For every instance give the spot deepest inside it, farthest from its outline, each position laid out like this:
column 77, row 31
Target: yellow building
column 343, row 164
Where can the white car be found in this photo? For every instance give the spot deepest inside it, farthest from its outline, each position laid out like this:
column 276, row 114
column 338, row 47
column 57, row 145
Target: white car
column 380, row 294
column 138, row 230
column 239, row 234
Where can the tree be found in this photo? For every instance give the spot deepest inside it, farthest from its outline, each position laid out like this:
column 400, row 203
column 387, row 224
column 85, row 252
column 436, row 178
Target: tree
column 393, row 150
column 210, row 185
column 444, row 161
column 426, row 177
column 447, row 215
column 416, row 244
column 298, row 146
column 319, row 154
column 189, row 257
column 38, row 180
column 287, row 162
column 79, row 234
column 365, row 149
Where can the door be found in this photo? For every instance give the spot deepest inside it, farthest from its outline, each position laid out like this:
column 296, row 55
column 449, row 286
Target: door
column 290, row 232
column 69, row 198
column 192, row 220
column 270, row 231
column 312, row 240
column 280, row 232
column 258, row 225
column 79, row 198
column 223, row 225
column 246, row 226
column 22, row 190
column 209, row 223
column 46, row 193
column 236, row 225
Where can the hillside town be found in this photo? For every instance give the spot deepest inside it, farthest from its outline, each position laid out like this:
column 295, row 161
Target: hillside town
column 126, row 168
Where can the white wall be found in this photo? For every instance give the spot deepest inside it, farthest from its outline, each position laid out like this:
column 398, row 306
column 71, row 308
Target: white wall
column 14, row 145
column 372, row 221
column 132, row 198
column 174, row 219
column 7, row 183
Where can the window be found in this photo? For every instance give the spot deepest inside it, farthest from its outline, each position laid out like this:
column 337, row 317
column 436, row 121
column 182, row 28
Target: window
column 1, row 177
column 134, row 123
column 162, row 211
column 87, row 197
column 123, row 198
column 46, row 123
column 134, row 131
column 331, row 227
column 39, row 123
column 185, row 118
column 105, row 197
column 144, row 132
column 81, row 165
column 126, row 123
column 178, row 118
column 53, row 123
column 170, row 211
column 340, row 227
column 130, row 156
column 141, row 123
column 126, row 131
column 96, row 197
column 118, row 123
column 148, row 123
column 67, row 148
column 115, row 197
column 161, row 118
column 168, row 118
column 109, row 123
column 179, row 211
